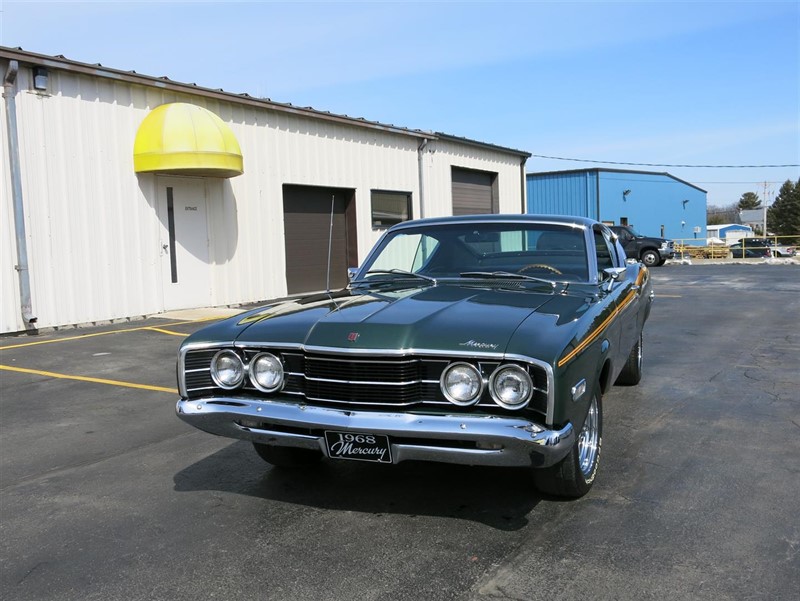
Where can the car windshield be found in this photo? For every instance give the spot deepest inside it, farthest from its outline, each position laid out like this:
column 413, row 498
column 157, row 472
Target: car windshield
column 473, row 250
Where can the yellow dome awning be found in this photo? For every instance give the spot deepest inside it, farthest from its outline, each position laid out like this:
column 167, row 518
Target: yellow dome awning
column 184, row 139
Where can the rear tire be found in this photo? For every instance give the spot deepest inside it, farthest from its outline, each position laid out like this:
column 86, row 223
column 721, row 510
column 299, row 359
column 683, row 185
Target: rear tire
column 287, row 456
column 631, row 373
column 574, row 475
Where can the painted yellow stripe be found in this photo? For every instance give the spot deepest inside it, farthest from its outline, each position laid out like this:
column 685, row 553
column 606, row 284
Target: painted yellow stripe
column 168, row 332
column 83, row 336
column 599, row 329
column 50, row 374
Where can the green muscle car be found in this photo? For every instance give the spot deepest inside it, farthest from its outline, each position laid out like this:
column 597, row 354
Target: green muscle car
column 479, row 340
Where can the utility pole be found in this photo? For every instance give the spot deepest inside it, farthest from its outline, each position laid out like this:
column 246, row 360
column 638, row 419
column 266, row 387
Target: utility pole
column 765, row 209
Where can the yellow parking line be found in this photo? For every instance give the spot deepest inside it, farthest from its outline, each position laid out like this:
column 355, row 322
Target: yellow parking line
column 168, row 332
column 82, row 336
column 51, row 374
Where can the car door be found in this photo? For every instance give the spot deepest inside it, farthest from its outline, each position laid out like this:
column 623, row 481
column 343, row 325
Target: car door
column 622, row 290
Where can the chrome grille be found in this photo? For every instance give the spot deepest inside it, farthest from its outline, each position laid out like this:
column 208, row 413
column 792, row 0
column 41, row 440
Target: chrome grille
column 378, row 381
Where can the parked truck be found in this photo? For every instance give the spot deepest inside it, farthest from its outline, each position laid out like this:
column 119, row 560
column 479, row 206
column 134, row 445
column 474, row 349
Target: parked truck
column 650, row 251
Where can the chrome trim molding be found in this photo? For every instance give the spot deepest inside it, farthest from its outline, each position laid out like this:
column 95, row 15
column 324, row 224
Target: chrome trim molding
column 278, row 346
column 510, row 441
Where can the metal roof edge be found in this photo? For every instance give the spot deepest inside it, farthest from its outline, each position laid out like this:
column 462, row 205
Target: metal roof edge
column 98, row 70
column 486, row 145
column 599, row 169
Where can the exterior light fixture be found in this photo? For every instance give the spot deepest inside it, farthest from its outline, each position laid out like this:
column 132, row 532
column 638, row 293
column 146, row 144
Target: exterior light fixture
column 625, row 195
column 40, row 77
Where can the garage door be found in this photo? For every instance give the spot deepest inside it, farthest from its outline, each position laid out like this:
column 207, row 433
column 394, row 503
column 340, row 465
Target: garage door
column 474, row 192
column 307, row 219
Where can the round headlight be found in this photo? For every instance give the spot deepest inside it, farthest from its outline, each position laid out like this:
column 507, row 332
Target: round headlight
column 511, row 387
column 266, row 372
column 227, row 370
column 462, row 384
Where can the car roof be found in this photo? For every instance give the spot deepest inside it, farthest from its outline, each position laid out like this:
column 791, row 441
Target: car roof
column 582, row 222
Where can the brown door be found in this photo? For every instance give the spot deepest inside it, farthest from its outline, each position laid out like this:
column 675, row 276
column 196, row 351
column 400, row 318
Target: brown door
column 474, row 192
column 307, row 227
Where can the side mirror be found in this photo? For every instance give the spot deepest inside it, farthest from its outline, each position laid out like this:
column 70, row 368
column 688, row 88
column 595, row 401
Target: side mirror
column 614, row 273
column 611, row 275
column 351, row 273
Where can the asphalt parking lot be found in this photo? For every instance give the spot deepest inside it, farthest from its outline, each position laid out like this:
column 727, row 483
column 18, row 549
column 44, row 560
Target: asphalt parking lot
column 106, row 495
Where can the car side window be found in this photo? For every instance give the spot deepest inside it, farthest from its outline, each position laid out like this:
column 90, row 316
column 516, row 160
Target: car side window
column 604, row 248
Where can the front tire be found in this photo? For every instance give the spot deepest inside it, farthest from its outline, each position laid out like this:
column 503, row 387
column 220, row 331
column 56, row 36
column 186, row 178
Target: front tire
column 631, row 373
column 574, row 475
column 290, row 457
column 651, row 258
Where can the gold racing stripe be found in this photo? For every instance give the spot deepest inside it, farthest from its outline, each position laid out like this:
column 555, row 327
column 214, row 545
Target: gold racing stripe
column 599, row 329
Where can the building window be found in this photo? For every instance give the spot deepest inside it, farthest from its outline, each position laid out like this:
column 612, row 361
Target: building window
column 390, row 208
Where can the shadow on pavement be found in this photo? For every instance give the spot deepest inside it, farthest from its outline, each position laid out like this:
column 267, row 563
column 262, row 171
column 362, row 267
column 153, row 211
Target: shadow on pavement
column 497, row 497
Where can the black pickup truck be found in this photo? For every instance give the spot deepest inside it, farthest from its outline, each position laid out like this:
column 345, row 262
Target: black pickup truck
column 650, row 251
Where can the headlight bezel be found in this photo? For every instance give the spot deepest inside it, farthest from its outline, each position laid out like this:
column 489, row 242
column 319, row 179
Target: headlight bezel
column 525, row 377
column 214, row 369
column 481, row 382
column 252, row 375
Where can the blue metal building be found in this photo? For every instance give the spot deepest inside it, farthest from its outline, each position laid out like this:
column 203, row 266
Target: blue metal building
column 656, row 204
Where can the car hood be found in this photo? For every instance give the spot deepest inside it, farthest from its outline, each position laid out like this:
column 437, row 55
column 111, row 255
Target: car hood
column 447, row 318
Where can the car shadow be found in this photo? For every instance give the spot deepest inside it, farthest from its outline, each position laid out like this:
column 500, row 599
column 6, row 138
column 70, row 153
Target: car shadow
column 500, row 498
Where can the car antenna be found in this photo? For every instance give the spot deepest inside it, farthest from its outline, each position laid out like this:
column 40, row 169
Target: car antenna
column 330, row 243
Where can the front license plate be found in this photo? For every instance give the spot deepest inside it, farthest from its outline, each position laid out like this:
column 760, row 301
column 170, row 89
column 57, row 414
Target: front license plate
column 361, row 447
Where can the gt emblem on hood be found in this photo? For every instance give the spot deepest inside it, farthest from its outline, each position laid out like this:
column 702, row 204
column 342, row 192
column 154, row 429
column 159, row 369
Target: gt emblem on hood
column 353, row 336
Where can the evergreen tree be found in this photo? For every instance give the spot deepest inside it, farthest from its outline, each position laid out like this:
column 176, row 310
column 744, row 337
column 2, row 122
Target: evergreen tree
column 783, row 217
column 749, row 200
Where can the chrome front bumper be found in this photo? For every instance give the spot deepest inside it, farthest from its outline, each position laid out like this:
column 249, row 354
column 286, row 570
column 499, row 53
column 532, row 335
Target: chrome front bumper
column 462, row 439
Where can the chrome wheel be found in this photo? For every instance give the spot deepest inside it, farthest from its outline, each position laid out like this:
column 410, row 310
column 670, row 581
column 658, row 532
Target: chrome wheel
column 650, row 258
column 588, row 441
column 639, row 354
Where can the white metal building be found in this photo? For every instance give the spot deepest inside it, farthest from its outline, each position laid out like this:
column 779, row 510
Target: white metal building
column 116, row 205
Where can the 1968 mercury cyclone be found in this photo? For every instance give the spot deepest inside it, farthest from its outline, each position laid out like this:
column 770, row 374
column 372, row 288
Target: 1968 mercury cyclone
column 480, row 340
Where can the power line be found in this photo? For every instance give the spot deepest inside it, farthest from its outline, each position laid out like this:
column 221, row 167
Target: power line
column 753, row 183
column 542, row 156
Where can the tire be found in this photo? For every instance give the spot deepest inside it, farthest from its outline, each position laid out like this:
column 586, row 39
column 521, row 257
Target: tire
column 631, row 373
column 661, row 262
column 651, row 258
column 574, row 475
column 290, row 457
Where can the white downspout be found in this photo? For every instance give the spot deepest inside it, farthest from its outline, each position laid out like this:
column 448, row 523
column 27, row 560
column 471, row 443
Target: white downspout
column 421, row 171
column 9, row 94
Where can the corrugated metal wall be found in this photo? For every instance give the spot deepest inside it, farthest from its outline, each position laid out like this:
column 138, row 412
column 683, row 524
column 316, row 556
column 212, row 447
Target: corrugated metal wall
column 93, row 226
column 442, row 155
column 563, row 194
column 654, row 202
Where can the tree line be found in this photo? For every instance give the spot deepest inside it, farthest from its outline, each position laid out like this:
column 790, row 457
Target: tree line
column 783, row 217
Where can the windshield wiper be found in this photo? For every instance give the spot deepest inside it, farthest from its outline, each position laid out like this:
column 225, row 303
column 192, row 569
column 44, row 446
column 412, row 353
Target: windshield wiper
column 404, row 275
column 506, row 275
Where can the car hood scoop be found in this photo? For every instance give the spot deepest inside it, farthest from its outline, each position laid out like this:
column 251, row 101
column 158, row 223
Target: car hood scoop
column 445, row 318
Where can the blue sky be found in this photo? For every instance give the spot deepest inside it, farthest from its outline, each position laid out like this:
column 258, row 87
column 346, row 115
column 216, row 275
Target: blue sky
column 699, row 83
